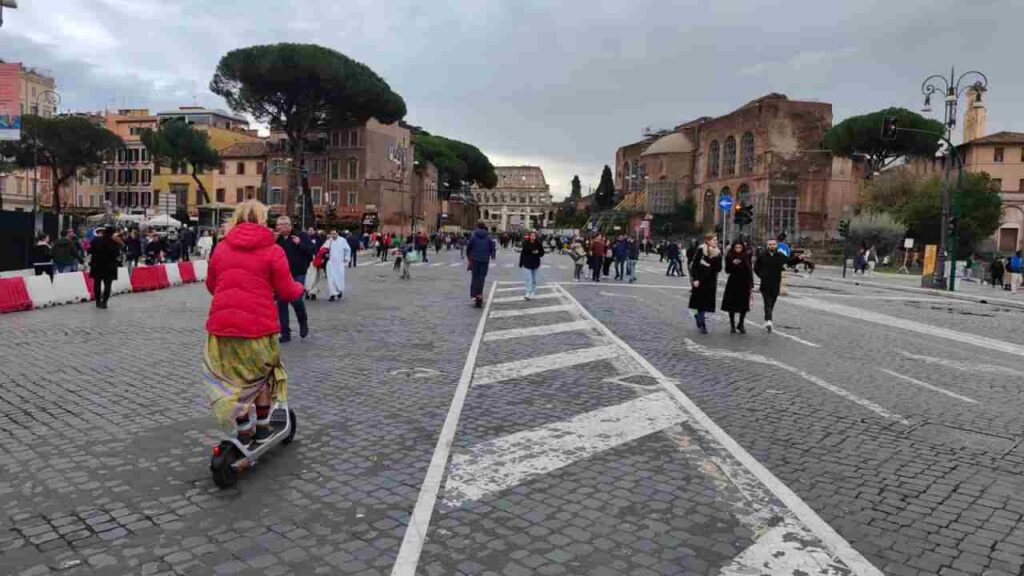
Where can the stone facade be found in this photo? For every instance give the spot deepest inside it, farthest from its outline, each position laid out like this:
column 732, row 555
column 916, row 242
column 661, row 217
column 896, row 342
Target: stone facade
column 520, row 201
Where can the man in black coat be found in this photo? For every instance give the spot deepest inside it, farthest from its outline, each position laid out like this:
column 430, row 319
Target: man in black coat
column 300, row 251
column 353, row 244
column 104, row 249
column 768, row 268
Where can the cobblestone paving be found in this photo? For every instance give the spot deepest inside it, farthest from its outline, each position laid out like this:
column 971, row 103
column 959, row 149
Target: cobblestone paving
column 105, row 437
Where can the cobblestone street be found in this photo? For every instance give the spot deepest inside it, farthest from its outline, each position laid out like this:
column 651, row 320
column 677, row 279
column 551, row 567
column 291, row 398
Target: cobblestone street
column 589, row 430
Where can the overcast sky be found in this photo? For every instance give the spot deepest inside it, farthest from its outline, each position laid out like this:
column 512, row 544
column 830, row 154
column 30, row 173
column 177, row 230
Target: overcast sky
column 557, row 84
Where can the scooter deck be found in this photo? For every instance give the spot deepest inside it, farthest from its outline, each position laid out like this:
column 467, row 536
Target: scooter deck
column 252, row 452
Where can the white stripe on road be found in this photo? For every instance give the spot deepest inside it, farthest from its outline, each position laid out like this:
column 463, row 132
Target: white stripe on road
column 929, row 386
column 759, row 359
column 544, row 296
column 963, row 366
column 508, row 461
column 830, row 539
column 520, row 288
column 781, row 550
column 454, row 264
column 531, row 311
column 416, row 531
column 519, row 368
column 909, row 325
column 627, row 285
column 544, row 330
column 793, row 338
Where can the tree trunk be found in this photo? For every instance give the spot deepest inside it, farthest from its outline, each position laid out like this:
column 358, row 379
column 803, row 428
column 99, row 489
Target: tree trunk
column 199, row 185
column 294, row 183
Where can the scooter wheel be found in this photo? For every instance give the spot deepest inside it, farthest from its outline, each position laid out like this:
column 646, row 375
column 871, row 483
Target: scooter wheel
column 291, row 433
column 224, row 474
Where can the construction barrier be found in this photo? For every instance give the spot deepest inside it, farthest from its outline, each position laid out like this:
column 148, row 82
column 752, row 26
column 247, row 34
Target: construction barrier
column 187, row 272
column 145, row 278
column 71, row 287
column 200, row 269
column 25, row 273
column 173, row 276
column 40, row 290
column 14, row 295
column 123, row 284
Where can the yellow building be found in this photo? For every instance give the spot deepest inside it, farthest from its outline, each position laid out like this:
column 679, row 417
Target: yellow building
column 224, row 130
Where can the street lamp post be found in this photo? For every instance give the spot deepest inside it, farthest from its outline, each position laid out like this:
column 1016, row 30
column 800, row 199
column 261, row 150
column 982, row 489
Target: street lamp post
column 52, row 98
column 951, row 89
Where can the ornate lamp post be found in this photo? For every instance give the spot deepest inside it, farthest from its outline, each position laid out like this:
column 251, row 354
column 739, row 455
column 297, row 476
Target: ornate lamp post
column 950, row 89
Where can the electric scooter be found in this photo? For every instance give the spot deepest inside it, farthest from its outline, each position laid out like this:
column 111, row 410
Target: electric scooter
column 231, row 457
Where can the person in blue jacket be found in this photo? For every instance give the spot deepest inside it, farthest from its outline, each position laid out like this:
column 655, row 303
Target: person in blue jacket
column 620, row 251
column 480, row 250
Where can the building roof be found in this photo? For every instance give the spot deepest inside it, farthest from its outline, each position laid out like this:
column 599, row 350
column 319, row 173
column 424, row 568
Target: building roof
column 257, row 148
column 199, row 111
column 1000, row 138
column 633, row 202
column 673, row 143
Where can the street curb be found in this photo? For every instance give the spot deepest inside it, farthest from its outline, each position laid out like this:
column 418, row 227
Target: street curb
column 929, row 291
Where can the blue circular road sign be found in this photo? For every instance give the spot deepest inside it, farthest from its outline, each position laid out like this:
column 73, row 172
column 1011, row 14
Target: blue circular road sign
column 725, row 203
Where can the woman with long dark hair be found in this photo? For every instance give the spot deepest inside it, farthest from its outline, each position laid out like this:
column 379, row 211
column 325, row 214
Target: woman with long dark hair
column 739, row 286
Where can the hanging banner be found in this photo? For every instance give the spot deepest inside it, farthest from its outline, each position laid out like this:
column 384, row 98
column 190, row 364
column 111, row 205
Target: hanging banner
column 930, row 251
column 10, row 110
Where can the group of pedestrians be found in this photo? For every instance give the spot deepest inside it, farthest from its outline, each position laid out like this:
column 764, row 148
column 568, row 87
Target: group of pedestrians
column 707, row 263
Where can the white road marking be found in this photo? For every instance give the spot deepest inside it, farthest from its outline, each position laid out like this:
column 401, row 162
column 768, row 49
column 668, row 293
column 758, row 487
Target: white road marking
column 438, row 264
column 829, row 538
column 627, row 285
column 929, row 386
column 793, row 338
column 531, row 311
column 543, row 296
column 751, row 357
column 544, row 330
column 964, row 366
column 561, row 267
column 508, row 461
column 909, row 325
column 508, row 265
column 416, row 531
column 454, row 264
column 520, row 288
column 620, row 295
column 545, row 266
column 780, row 550
column 519, row 368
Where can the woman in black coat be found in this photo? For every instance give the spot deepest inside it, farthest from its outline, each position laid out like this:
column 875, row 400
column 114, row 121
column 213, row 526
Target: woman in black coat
column 105, row 251
column 704, row 269
column 738, row 287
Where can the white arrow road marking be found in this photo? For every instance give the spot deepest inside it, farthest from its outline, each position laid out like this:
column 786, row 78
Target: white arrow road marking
column 749, row 357
column 520, row 298
column 508, row 461
column 909, row 325
column 544, row 330
column 531, row 311
column 964, row 366
column 519, row 368
column 929, row 386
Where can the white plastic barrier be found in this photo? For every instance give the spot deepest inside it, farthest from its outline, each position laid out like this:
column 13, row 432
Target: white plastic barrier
column 40, row 290
column 68, row 287
column 200, row 267
column 123, row 284
column 173, row 274
column 14, row 273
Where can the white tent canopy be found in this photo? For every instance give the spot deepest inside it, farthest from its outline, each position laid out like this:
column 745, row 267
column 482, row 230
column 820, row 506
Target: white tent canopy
column 162, row 221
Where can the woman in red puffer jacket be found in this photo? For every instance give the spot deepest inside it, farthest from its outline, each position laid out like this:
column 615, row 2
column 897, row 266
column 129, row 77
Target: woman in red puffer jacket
column 242, row 366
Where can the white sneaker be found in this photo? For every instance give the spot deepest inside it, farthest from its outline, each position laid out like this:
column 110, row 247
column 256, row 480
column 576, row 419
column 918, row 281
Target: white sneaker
column 768, row 325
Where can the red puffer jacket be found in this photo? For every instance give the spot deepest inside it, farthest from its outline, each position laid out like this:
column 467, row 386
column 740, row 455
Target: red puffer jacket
column 244, row 273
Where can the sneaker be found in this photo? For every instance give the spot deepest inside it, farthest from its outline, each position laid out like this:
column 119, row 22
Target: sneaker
column 263, row 433
column 768, row 325
column 304, row 330
column 285, row 338
column 741, row 329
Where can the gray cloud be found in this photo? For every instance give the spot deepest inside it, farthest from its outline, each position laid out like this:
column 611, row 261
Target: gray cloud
column 558, row 84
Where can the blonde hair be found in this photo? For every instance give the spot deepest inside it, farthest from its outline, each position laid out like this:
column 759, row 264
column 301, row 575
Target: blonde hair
column 709, row 236
column 249, row 211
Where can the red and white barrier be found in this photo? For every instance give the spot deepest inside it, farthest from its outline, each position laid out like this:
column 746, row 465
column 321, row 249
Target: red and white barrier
column 14, row 295
column 187, row 272
column 71, row 287
column 146, row 278
column 123, row 284
column 200, row 269
column 25, row 273
column 40, row 290
column 173, row 276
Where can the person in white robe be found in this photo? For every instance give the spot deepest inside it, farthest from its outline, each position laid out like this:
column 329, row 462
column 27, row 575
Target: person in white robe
column 340, row 254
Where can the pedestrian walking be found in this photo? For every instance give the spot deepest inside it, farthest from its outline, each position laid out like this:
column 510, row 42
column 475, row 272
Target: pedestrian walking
column 42, row 256
column 632, row 257
column 104, row 252
column 480, row 250
column 671, row 251
column 996, row 271
column 578, row 254
column 529, row 261
column 871, row 259
column 597, row 249
column 188, row 242
column 620, row 253
column 1013, row 267
column 298, row 249
column 317, row 272
column 704, row 269
column 608, row 259
column 738, row 287
column 340, row 253
column 353, row 245
column 242, row 361
column 768, row 268
column 67, row 255
column 132, row 250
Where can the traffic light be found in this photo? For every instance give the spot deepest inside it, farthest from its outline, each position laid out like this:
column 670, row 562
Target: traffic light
column 744, row 214
column 844, row 229
column 889, row 128
column 954, row 226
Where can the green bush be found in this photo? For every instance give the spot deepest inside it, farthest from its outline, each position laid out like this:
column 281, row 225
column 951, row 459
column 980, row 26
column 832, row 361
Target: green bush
column 880, row 230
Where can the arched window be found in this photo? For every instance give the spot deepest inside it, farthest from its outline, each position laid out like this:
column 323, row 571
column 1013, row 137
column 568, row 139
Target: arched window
column 743, row 195
column 724, row 192
column 730, row 156
column 747, row 153
column 487, row 215
column 713, row 159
